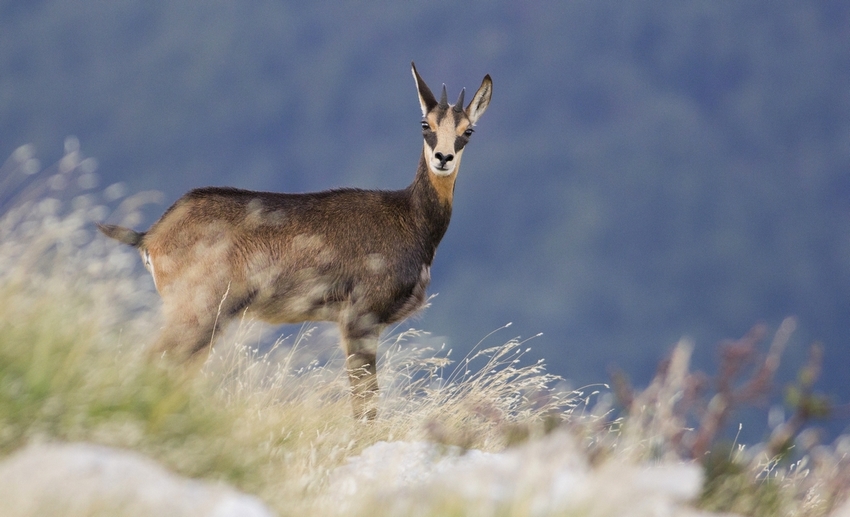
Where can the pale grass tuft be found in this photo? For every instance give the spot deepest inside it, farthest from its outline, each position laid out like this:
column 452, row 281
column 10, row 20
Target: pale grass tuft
column 669, row 421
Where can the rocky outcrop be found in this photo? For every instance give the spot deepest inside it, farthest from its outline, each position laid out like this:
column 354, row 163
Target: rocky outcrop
column 544, row 477
column 75, row 480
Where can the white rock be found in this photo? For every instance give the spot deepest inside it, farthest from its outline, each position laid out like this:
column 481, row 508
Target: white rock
column 542, row 477
column 83, row 479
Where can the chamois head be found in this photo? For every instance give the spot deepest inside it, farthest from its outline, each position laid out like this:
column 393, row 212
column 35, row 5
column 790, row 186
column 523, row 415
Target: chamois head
column 446, row 128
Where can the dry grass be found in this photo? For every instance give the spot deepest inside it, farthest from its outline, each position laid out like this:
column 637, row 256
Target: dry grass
column 274, row 420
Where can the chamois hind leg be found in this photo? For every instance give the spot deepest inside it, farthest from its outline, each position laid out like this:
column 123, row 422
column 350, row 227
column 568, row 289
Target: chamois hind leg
column 192, row 323
column 361, row 348
column 183, row 339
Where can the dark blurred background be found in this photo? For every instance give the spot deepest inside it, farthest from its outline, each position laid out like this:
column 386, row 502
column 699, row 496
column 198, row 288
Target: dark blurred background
column 646, row 170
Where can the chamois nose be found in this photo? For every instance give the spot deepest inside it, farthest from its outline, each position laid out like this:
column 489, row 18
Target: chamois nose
column 444, row 158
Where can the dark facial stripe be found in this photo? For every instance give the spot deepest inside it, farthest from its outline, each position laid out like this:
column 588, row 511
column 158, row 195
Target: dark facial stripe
column 431, row 139
column 460, row 142
column 441, row 114
column 459, row 116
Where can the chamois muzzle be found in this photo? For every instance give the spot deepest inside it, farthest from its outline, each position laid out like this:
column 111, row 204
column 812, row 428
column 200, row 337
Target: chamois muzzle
column 444, row 158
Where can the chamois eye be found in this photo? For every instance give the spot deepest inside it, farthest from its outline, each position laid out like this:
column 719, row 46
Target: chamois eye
column 468, row 132
column 425, row 126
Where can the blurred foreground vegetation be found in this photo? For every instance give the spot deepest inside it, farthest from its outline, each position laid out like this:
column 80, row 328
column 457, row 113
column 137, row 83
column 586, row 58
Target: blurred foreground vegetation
column 76, row 311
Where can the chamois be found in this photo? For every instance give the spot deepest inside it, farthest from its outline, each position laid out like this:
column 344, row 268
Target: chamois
column 360, row 258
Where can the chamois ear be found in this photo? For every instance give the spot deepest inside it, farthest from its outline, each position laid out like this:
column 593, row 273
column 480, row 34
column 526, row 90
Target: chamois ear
column 426, row 99
column 480, row 100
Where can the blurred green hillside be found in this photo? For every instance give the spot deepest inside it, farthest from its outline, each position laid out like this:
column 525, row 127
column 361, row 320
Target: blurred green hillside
column 646, row 170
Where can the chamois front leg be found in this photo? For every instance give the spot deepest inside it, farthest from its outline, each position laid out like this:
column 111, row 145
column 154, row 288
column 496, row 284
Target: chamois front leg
column 361, row 348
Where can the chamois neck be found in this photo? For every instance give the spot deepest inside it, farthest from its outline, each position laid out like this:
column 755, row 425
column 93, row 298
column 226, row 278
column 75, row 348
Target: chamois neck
column 431, row 205
column 429, row 187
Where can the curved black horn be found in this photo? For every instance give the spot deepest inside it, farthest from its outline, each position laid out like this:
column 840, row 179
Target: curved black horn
column 444, row 102
column 459, row 103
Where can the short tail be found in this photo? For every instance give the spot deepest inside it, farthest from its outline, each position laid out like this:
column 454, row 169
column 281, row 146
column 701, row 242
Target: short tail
column 121, row 234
